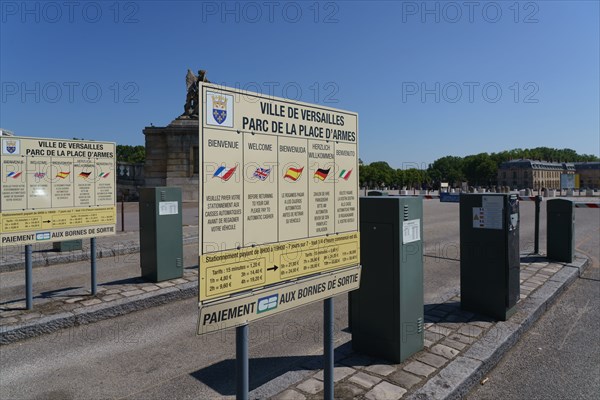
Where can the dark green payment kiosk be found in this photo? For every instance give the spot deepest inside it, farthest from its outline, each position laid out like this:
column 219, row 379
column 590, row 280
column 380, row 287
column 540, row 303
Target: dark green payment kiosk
column 386, row 313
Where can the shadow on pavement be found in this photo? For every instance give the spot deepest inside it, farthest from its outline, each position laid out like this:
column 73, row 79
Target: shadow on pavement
column 123, row 281
column 221, row 376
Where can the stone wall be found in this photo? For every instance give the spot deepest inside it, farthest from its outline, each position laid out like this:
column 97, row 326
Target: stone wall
column 130, row 177
column 170, row 157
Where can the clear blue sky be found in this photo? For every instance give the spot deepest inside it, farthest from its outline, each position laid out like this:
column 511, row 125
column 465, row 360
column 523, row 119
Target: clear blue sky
column 375, row 58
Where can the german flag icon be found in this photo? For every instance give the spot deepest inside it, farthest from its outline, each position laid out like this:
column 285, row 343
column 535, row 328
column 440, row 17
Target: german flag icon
column 321, row 174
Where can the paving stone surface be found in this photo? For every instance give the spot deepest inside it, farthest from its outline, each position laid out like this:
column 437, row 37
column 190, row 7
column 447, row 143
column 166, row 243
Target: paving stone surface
column 405, row 379
column 432, row 359
column 339, row 373
column 385, row 391
column 381, row 369
column 470, row 330
column 346, row 390
column 130, row 293
column 449, row 333
column 311, row 386
column 444, row 351
column 91, row 302
column 364, row 380
column 419, row 368
column 290, row 394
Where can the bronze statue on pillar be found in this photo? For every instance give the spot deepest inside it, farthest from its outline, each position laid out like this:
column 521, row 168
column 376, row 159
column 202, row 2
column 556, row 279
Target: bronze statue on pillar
column 191, row 108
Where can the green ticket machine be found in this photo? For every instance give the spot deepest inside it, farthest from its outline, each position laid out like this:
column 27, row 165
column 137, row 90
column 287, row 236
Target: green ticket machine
column 560, row 232
column 68, row 245
column 161, row 233
column 489, row 254
column 386, row 313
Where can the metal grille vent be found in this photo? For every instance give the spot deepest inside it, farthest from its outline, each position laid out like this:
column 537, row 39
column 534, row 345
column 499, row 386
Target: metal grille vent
column 405, row 212
column 163, row 195
column 419, row 325
column 179, row 262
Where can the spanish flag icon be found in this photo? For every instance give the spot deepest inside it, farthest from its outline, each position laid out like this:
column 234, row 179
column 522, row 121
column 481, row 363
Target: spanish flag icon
column 321, row 173
column 63, row 175
column 293, row 174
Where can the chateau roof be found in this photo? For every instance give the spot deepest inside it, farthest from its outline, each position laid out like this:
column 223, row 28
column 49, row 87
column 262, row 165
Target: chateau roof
column 587, row 165
column 537, row 164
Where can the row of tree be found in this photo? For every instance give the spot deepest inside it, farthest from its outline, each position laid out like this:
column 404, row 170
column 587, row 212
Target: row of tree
column 478, row 170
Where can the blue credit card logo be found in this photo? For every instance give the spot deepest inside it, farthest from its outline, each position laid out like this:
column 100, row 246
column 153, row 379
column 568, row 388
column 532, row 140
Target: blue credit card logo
column 267, row 303
column 42, row 236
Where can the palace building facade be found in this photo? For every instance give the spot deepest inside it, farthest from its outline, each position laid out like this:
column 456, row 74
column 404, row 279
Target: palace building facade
column 533, row 174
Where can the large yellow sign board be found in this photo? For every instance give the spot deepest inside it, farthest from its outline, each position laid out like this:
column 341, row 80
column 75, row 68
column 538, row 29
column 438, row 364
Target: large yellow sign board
column 55, row 189
column 278, row 191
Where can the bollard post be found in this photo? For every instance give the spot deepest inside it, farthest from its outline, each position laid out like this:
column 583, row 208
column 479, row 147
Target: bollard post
column 328, row 348
column 93, row 265
column 123, row 212
column 28, row 278
column 538, row 201
column 241, row 360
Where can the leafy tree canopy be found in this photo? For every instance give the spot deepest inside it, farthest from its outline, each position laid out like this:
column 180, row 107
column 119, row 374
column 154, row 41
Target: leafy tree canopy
column 132, row 154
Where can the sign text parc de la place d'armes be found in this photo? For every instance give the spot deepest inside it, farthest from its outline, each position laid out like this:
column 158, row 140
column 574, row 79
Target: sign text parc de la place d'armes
column 54, row 189
column 278, row 203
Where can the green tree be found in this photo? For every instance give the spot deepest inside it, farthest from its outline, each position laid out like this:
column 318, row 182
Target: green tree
column 480, row 169
column 365, row 175
column 414, row 178
column 132, row 154
column 382, row 173
column 447, row 169
column 399, row 180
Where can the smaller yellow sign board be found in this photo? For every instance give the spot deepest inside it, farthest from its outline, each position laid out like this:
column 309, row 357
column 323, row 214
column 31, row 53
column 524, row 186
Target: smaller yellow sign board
column 55, row 225
column 235, row 271
column 50, row 219
column 56, row 189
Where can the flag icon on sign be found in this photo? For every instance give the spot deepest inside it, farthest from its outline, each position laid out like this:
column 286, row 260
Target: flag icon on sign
column 84, row 175
column 293, row 173
column 262, row 173
column 224, row 173
column 103, row 174
column 62, row 175
column 321, row 173
column 345, row 174
column 14, row 174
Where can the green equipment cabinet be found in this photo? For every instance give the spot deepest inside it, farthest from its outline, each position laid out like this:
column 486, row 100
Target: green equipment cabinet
column 377, row 193
column 161, row 233
column 386, row 313
column 489, row 254
column 68, row 245
column 560, row 230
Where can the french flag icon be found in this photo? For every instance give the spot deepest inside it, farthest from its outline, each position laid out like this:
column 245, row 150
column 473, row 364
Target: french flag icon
column 224, row 173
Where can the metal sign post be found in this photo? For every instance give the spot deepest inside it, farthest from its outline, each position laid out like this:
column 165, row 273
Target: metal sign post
column 93, row 265
column 328, row 348
column 28, row 278
column 241, row 362
column 538, row 201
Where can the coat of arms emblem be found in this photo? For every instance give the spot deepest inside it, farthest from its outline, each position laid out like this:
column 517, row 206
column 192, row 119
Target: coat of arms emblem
column 11, row 146
column 219, row 108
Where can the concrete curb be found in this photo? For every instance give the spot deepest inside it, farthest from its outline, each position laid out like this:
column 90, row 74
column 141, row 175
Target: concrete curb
column 464, row 372
column 96, row 313
column 51, row 258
